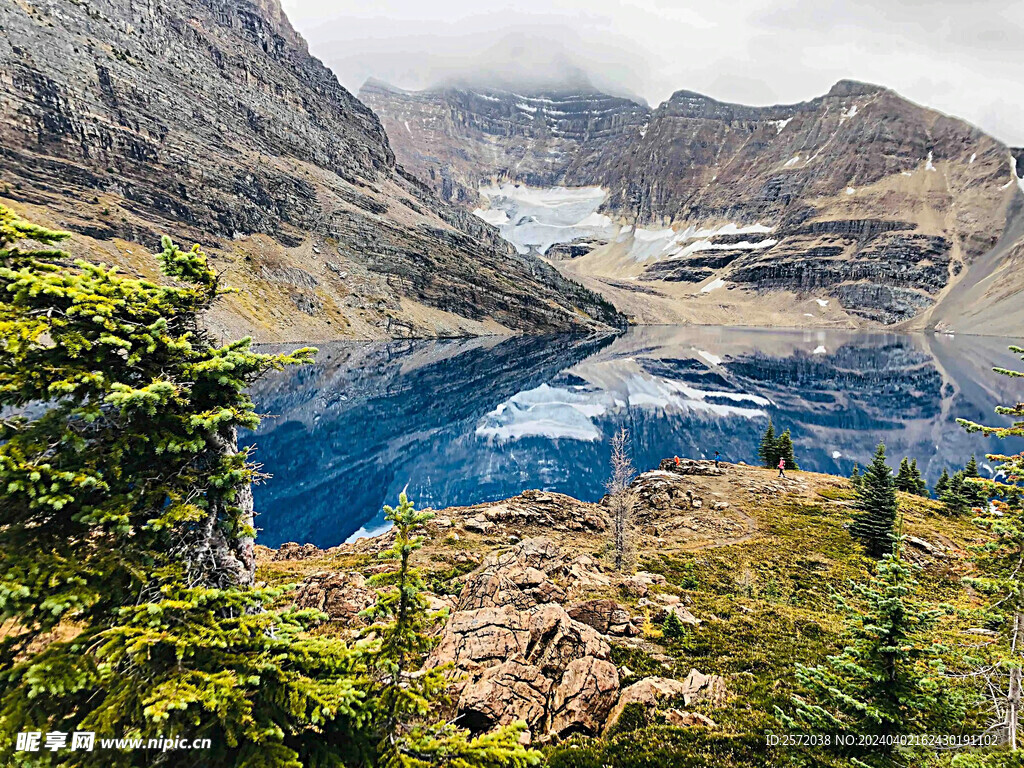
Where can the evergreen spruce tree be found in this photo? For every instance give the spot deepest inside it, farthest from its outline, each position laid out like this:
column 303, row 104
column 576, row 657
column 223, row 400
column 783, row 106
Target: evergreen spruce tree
column 405, row 696
column 904, row 478
column 887, row 681
column 975, row 492
column 971, row 468
column 876, row 508
column 921, row 486
column 942, row 483
column 126, row 559
column 767, row 450
column 956, row 496
column 855, row 477
column 1000, row 563
column 784, row 450
column 673, row 626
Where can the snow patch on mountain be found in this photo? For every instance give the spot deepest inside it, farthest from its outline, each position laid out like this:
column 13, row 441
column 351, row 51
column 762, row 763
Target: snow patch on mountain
column 535, row 218
column 657, row 244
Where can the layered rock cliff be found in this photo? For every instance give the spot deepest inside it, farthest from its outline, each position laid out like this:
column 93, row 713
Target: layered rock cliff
column 855, row 208
column 209, row 120
column 452, row 137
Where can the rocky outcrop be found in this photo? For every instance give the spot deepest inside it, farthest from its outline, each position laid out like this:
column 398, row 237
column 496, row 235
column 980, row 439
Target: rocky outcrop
column 688, row 719
column 342, row 596
column 680, row 466
column 606, row 616
column 517, row 653
column 656, row 692
column 540, row 666
column 535, row 509
column 640, row 583
column 526, row 575
column 293, row 551
column 208, row 120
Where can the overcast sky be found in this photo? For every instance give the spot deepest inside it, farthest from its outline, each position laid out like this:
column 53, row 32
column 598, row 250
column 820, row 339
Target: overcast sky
column 963, row 57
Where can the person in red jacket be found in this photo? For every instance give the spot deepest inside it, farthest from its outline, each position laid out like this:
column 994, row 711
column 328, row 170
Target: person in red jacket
column 782, row 466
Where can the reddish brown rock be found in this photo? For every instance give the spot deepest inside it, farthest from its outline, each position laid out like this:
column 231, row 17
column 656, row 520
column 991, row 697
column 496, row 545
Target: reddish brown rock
column 653, row 692
column 340, row 595
column 556, row 639
column 513, row 690
column 640, row 583
column 704, row 689
column 482, row 636
column 581, row 701
column 606, row 616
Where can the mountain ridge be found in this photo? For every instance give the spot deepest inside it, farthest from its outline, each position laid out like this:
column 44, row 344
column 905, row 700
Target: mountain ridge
column 875, row 205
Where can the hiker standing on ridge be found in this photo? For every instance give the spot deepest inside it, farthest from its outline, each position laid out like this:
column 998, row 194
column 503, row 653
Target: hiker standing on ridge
column 782, row 466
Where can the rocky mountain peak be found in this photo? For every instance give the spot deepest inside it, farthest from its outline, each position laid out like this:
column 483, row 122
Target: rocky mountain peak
column 846, row 88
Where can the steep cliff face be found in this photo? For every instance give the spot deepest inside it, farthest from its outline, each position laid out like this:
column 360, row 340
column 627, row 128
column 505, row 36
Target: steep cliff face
column 454, row 138
column 854, row 208
column 210, row 121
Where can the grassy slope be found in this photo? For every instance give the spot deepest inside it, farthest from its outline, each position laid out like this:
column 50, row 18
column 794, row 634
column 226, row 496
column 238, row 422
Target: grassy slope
column 765, row 602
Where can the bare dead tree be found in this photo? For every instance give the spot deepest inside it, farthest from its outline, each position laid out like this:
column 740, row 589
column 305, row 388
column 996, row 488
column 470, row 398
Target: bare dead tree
column 1013, row 696
column 622, row 499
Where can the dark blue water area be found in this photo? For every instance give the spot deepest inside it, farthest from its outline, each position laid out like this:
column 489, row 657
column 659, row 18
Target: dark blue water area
column 457, row 422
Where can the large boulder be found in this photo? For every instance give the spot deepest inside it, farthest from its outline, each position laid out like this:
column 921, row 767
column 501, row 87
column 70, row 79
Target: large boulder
column 688, row 719
column 556, row 639
column 581, row 701
column 515, row 584
column 342, row 596
column 649, row 693
column 482, row 637
column 546, row 636
column 576, row 702
column 533, row 572
column 704, row 689
column 654, row 692
column 539, row 665
column 640, row 583
column 513, row 690
column 606, row 616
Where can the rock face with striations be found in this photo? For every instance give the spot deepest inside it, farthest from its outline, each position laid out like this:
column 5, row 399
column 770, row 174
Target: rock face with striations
column 209, row 120
column 859, row 199
column 454, row 137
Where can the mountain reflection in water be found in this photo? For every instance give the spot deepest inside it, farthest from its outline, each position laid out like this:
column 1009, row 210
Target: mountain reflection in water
column 463, row 421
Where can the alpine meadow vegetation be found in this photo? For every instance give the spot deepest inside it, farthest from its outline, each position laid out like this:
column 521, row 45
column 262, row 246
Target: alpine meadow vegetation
column 889, row 680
